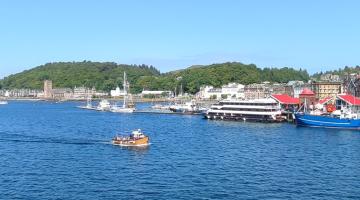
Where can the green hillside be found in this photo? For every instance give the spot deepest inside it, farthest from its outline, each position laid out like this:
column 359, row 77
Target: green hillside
column 341, row 72
column 102, row 76
column 106, row 76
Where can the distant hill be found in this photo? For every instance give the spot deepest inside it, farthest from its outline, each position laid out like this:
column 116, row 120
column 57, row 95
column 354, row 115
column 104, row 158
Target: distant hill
column 107, row 75
column 216, row 75
column 101, row 75
column 219, row 74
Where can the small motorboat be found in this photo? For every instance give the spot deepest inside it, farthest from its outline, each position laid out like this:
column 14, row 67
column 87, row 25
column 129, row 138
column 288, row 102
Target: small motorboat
column 136, row 138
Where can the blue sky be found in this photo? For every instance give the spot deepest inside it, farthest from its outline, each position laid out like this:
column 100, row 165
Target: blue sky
column 313, row 35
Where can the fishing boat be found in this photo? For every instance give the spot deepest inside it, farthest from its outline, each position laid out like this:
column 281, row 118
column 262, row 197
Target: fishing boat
column 136, row 138
column 347, row 116
column 128, row 105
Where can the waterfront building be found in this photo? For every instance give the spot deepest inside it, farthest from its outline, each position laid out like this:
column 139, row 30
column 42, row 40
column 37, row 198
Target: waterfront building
column 233, row 90
column 257, row 91
column 230, row 90
column 352, row 84
column 62, row 93
column 346, row 101
column 280, row 88
column 308, row 96
column 20, row 93
column 83, row 92
column 297, row 87
column 117, row 92
column 286, row 102
column 209, row 92
column 48, row 89
column 326, row 89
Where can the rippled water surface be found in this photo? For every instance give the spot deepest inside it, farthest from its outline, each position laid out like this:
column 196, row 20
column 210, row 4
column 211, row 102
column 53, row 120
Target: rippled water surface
column 57, row 151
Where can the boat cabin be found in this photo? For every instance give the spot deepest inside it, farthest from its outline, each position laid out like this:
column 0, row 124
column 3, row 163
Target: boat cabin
column 137, row 134
column 348, row 103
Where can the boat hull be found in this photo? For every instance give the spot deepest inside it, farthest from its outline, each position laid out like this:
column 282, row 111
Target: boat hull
column 132, row 143
column 326, row 122
column 243, row 117
column 122, row 110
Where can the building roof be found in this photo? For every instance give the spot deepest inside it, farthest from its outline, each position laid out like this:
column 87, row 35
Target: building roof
column 325, row 100
column 307, row 91
column 285, row 99
column 350, row 99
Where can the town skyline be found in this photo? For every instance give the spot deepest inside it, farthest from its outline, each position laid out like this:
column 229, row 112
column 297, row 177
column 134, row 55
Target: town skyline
column 310, row 35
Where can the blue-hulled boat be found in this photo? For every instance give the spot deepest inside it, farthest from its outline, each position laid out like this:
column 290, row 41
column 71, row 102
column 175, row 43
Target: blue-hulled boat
column 304, row 119
column 346, row 117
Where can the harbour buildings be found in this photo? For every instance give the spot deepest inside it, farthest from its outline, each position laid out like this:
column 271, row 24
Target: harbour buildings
column 78, row 93
column 352, row 84
column 48, row 89
column 117, row 92
column 231, row 90
column 323, row 89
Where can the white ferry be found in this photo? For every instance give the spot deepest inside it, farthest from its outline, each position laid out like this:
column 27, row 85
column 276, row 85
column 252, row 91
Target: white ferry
column 258, row 110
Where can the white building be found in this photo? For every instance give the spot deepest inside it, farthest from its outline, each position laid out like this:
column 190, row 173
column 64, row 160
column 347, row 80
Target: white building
column 83, row 92
column 117, row 92
column 231, row 90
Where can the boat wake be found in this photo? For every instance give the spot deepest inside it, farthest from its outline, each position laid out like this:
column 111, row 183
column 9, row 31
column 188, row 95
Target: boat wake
column 54, row 141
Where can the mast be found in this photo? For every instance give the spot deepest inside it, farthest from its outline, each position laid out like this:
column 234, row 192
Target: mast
column 125, row 91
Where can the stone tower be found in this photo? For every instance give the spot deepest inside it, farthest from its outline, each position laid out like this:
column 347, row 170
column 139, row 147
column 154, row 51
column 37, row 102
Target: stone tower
column 48, row 89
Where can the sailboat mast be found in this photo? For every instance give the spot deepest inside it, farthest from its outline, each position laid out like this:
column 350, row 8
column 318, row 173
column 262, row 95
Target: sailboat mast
column 125, row 90
column 124, row 84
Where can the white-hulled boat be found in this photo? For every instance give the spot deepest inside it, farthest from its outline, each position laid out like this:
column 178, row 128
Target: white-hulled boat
column 128, row 106
column 104, row 105
column 258, row 110
column 187, row 107
column 88, row 105
column 3, row 102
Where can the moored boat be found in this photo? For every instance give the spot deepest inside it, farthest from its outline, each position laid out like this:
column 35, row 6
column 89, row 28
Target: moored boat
column 104, row 105
column 258, row 110
column 327, row 121
column 3, row 102
column 136, row 138
column 189, row 107
column 128, row 105
column 88, row 105
column 347, row 116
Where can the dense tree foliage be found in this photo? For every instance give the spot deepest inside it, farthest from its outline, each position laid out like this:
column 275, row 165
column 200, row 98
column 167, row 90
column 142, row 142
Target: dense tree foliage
column 106, row 76
column 219, row 74
column 102, row 76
